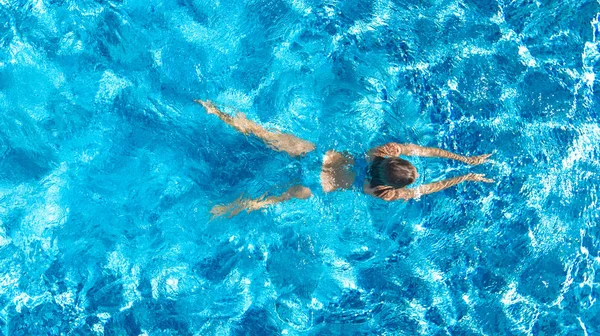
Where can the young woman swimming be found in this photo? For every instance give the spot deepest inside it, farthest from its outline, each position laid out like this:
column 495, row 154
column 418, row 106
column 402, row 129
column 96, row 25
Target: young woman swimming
column 385, row 174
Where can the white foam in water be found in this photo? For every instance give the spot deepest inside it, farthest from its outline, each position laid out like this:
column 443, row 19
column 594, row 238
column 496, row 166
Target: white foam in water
column 110, row 86
column 330, row 9
column 526, row 57
column 117, row 263
column 172, row 286
column 235, row 99
column 40, row 10
column 193, row 31
column 521, row 311
column 157, row 56
column 23, row 300
column 66, row 299
column 549, row 232
column 4, row 239
column 302, row 116
column 23, row 53
column 300, row 6
column 453, row 9
column 48, row 213
column 382, row 12
column 70, row 45
column 587, row 141
column 342, row 271
column 223, row 38
column 9, row 277
column 369, row 118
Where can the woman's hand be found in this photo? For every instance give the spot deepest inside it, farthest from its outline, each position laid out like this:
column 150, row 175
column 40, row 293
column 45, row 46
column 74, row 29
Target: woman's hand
column 476, row 160
column 208, row 106
column 478, row 178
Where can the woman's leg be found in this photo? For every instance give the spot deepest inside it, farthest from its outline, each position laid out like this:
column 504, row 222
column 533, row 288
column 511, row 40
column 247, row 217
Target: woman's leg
column 250, row 204
column 288, row 143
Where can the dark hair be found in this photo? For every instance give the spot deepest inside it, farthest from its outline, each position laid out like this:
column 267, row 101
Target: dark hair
column 394, row 172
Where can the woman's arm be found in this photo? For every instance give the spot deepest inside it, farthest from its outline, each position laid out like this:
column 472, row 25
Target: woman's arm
column 250, row 204
column 396, row 149
column 284, row 142
column 391, row 194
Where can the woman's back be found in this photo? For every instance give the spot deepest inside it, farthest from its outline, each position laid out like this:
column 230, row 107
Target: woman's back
column 337, row 171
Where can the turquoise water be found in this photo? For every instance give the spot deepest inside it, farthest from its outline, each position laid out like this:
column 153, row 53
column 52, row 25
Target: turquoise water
column 108, row 169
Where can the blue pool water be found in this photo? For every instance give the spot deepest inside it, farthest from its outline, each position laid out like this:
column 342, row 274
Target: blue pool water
column 108, row 170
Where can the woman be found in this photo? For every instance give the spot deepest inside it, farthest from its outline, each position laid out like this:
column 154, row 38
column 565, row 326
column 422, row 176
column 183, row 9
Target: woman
column 385, row 174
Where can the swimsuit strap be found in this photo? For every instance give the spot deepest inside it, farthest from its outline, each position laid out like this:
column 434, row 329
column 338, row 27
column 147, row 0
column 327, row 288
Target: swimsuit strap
column 361, row 167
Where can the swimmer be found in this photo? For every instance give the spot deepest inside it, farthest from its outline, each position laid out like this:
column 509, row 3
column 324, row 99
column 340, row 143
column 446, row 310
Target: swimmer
column 386, row 175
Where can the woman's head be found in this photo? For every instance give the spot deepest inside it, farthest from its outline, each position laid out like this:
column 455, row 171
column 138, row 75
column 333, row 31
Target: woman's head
column 394, row 172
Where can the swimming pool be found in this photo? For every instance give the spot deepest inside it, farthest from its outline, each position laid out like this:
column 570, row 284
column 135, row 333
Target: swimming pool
column 108, row 169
